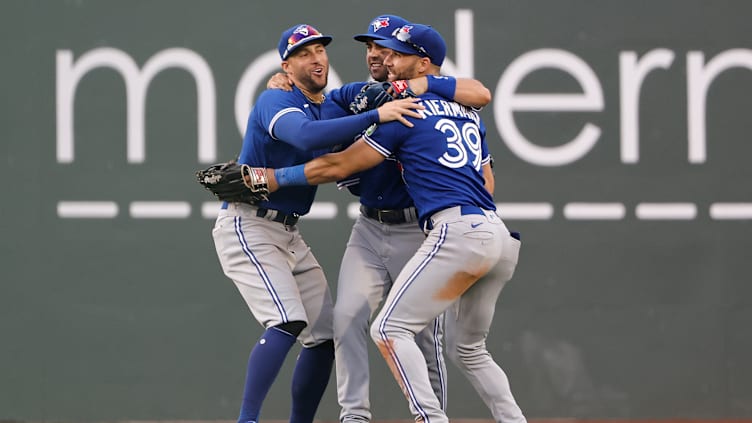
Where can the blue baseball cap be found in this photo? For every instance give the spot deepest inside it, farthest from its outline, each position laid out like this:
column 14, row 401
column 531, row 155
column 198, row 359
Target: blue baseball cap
column 381, row 28
column 297, row 36
column 421, row 40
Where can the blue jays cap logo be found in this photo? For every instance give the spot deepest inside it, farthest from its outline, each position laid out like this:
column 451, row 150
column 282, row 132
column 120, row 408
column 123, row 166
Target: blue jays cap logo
column 403, row 35
column 380, row 22
column 380, row 28
column 405, row 29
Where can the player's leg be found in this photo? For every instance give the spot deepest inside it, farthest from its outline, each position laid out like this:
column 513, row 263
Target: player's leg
column 451, row 259
column 467, row 324
column 263, row 277
column 310, row 378
column 313, row 367
column 361, row 287
column 431, row 343
column 404, row 240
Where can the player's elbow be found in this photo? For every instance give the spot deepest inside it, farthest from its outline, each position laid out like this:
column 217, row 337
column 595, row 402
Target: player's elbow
column 320, row 173
column 484, row 97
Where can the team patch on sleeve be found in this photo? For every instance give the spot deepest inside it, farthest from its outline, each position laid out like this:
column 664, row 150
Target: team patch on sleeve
column 368, row 132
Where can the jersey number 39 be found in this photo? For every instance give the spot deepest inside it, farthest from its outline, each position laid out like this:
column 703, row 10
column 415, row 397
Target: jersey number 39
column 462, row 143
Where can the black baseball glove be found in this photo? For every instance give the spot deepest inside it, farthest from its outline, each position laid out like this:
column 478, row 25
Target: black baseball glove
column 234, row 182
column 374, row 94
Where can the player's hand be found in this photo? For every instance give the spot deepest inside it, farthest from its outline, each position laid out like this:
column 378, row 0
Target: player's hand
column 399, row 109
column 280, row 81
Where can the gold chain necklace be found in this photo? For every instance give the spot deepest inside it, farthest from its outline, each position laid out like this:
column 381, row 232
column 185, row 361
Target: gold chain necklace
column 323, row 97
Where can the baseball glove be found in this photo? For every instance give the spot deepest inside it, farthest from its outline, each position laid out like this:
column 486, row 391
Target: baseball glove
column 374, row 94
column 235, row 183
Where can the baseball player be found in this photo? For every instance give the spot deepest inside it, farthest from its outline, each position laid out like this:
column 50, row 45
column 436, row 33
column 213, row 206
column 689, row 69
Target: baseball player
column 468, row 254
column 385, row 235
column 259, row 246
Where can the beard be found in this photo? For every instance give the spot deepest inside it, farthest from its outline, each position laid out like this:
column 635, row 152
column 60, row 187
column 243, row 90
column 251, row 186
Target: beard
column 312, row 82
column 407, row 73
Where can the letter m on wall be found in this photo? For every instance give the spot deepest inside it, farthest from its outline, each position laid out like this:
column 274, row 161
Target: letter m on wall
column 70, row 73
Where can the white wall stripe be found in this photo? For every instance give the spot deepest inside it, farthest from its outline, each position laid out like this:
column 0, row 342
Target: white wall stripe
column 353, row 210
column 322, row 210
column 210, row 209
column 160, row 209
column 509, row 211
column 666, row 211
column 594, row 211
column 87, row 209
column 731, row 211
column 525, row 211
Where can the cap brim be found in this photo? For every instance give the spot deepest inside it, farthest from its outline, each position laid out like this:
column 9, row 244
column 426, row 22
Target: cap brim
column 324, row 39
column 368, row 37
column 397, row 45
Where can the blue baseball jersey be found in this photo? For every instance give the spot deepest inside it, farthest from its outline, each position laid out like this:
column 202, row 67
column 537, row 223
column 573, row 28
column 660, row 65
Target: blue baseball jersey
column 442, row 155
column 380, row 187
column 345, row 94
column 281, row 133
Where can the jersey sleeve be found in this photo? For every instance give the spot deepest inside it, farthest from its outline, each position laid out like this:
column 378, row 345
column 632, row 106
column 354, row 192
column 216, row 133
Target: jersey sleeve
column 352, row 183
column 385, row 138
column 344, row 95
column 300, row 131
column 273, row 104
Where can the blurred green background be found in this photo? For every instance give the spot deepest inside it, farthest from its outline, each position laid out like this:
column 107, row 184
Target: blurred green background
column 613, row 315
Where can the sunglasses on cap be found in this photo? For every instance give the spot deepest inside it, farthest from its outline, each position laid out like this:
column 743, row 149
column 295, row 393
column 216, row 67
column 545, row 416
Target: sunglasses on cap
column 300, row 34
column 403, row 35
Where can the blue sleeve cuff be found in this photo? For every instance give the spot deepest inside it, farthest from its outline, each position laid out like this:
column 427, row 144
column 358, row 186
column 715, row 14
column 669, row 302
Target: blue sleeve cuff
column 293, row 175
column 444, row 86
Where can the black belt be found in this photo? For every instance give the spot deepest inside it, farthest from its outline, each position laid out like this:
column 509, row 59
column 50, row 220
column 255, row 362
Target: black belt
column 395, row 216
column 285, row 219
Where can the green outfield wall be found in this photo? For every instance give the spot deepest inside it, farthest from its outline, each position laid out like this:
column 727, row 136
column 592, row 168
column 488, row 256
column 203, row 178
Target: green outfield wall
column 621, row 133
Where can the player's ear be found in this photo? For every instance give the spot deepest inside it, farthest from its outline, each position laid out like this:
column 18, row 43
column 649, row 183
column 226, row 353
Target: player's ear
column 425, row 65
column 285, row 66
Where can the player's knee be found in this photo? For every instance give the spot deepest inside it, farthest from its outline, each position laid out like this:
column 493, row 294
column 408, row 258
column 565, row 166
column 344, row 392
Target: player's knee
column 467, row 355
column 294, row 328
column 352, row 310
column 347, row 318
column 376, row 332
column 384, row 329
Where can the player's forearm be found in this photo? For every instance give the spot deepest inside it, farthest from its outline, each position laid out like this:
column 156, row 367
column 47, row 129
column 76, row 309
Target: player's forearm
column 471, row 92
column 467, row 91
column 327, row 168
column 306, row 134
column 490, row 179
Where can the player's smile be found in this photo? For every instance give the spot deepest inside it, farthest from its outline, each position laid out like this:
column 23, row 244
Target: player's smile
column 319, row 71
column 375, row 55
column 320, row 75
